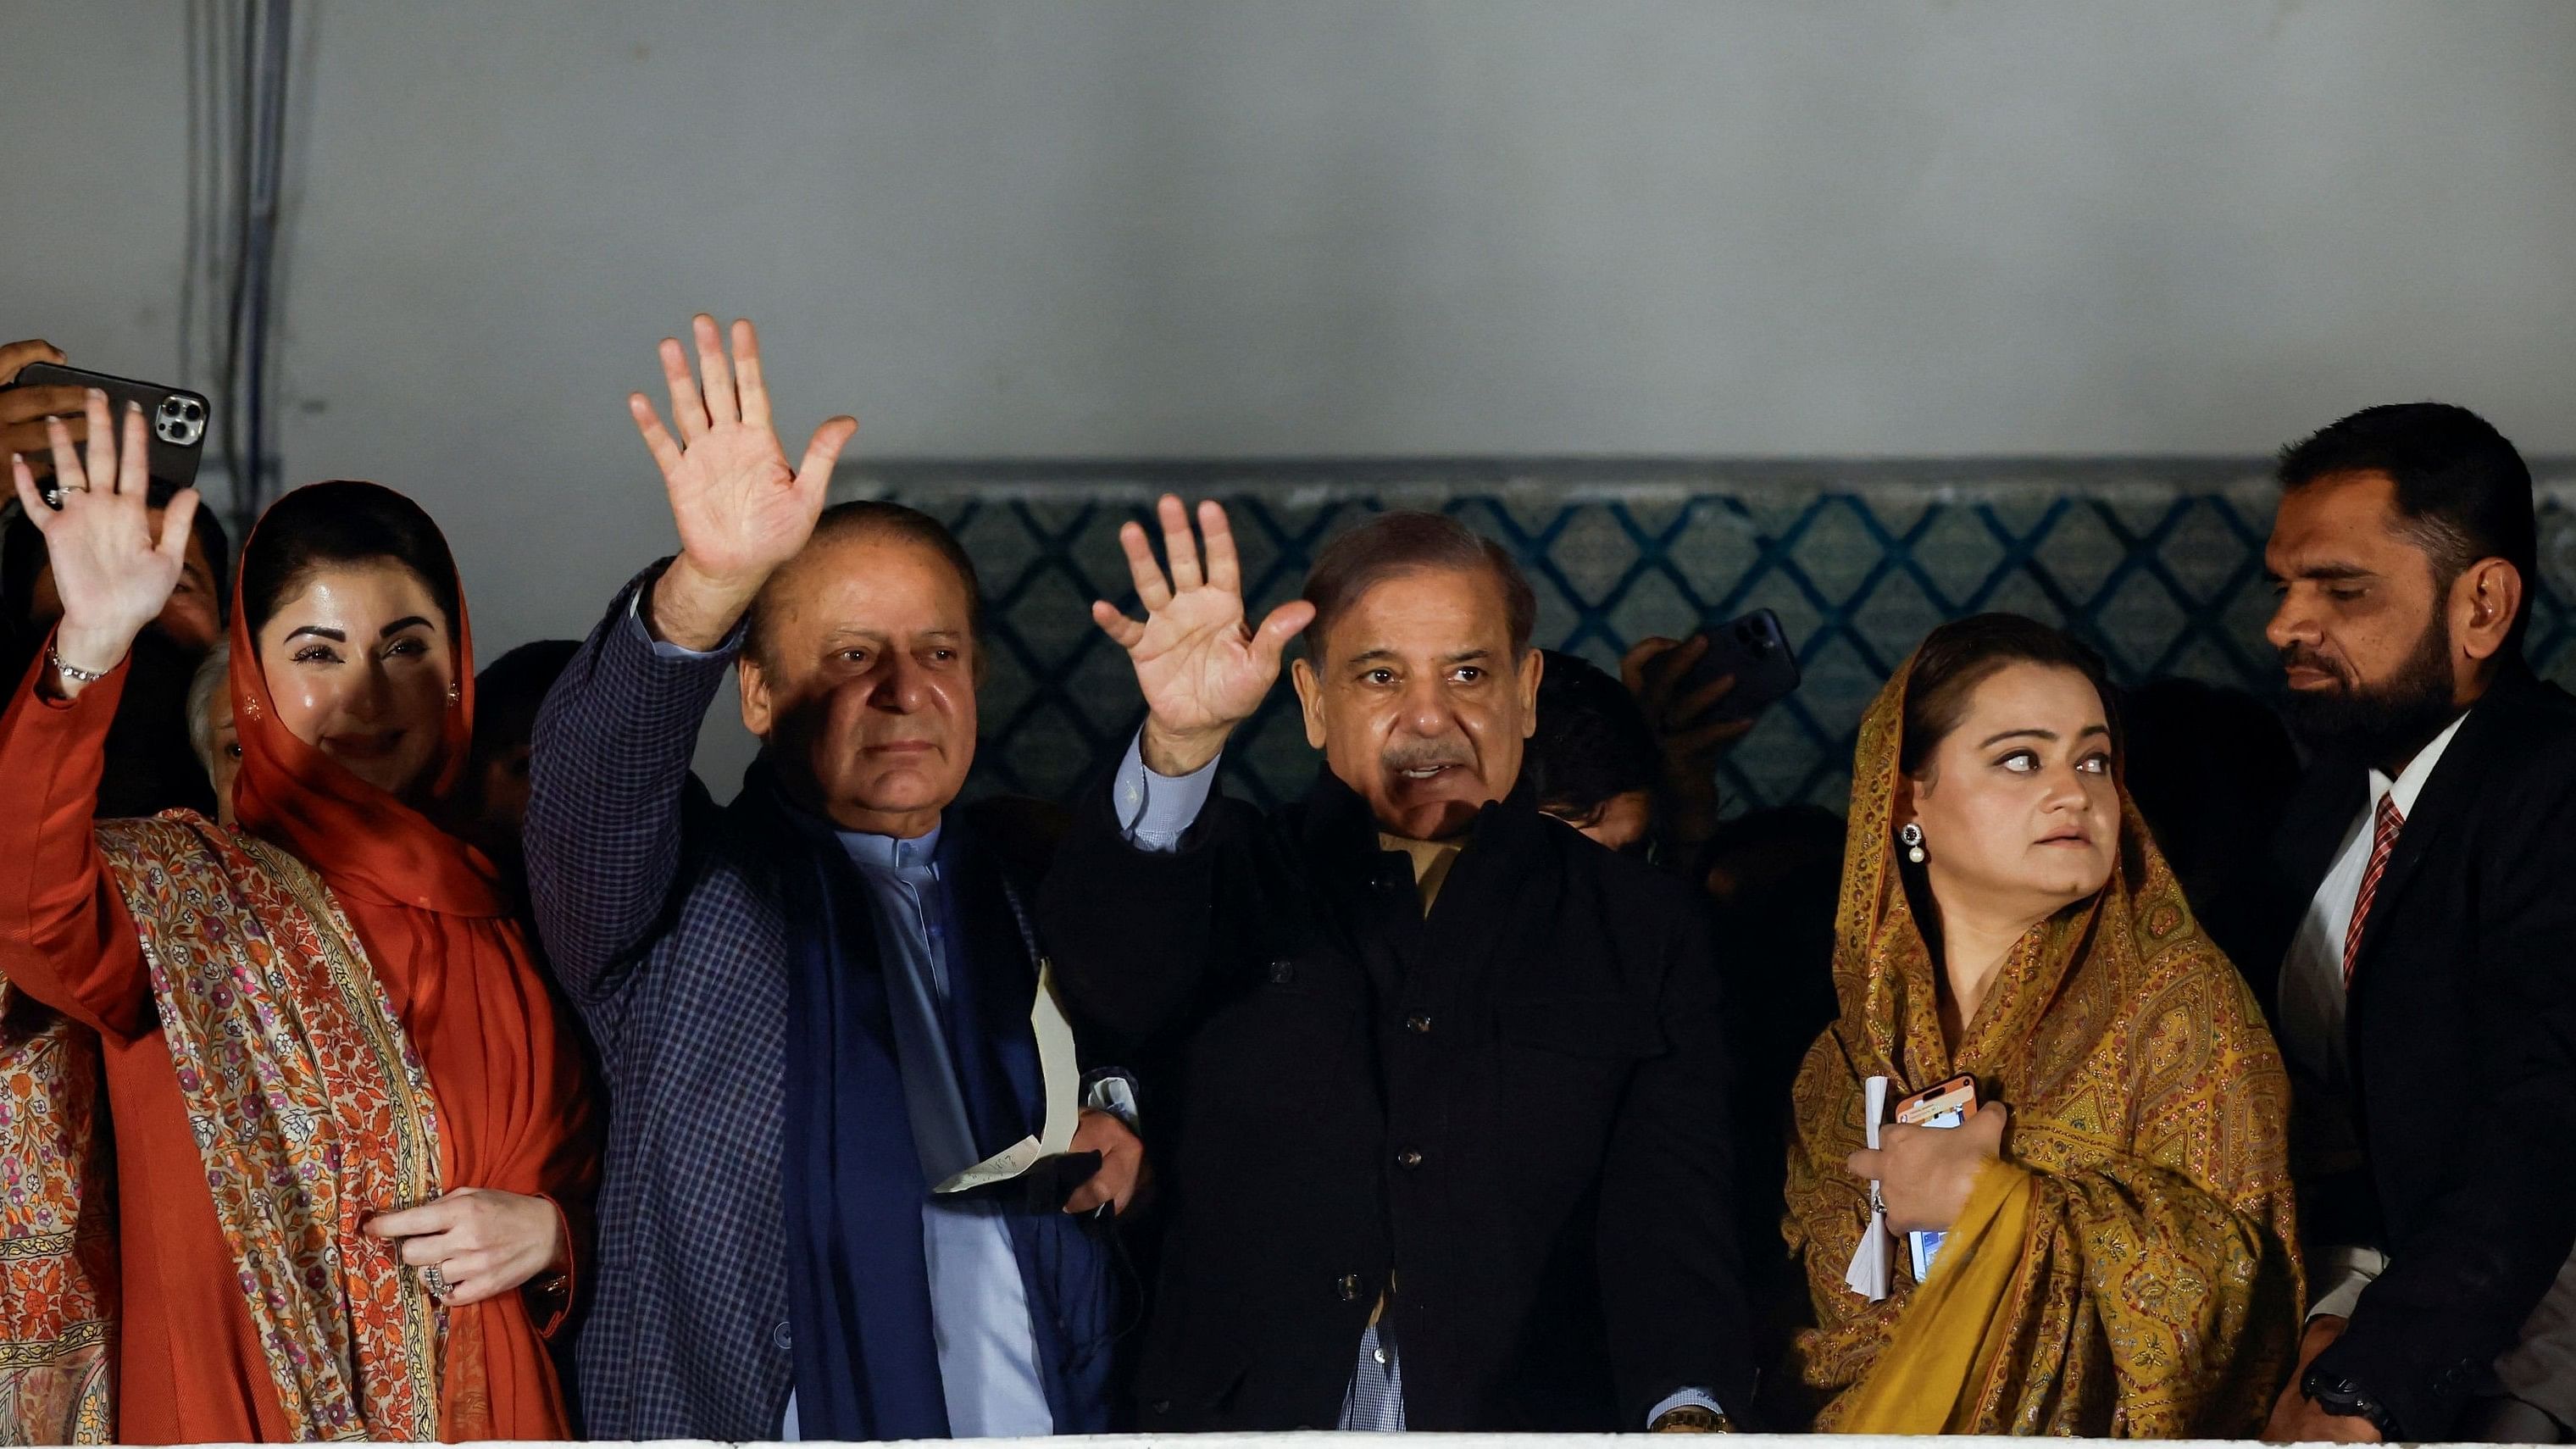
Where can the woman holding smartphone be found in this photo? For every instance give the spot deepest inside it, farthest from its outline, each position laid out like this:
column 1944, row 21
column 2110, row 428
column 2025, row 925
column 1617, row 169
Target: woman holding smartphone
column 351, row 1138
column 2119, row 1254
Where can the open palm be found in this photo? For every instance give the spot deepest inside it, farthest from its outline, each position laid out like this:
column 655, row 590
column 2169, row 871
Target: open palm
column 740, row 509
column 1202, row 669
column 112, row 575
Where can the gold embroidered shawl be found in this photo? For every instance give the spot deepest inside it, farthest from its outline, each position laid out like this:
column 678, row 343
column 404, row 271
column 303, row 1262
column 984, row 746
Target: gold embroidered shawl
column 2159, row 1285
column 57, row 1230
column 312, row 1111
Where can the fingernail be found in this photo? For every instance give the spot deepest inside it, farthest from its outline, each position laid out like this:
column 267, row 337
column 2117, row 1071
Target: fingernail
column 99, row 393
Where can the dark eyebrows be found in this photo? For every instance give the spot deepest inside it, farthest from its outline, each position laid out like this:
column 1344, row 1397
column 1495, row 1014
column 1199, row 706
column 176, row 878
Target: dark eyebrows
column 1464, row 656
column 2046, row 736
column 341, row 636
column 2327, row 573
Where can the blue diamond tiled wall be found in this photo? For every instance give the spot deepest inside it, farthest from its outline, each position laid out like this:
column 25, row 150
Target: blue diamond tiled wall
column 2159, row 565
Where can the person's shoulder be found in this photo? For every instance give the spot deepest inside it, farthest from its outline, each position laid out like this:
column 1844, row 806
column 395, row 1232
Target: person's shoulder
column 1629, row 882
column 1023, row 832
column 2521, row 743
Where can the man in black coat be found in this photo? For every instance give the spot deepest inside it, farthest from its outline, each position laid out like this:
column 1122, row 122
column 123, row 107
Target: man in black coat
column 2423, row 976
column 1436, row 1083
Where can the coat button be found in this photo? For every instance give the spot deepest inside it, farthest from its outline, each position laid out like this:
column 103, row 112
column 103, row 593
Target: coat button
column 1159, row 1406
column 1418, row 1025
column 783, row 1336
column 1408, row 1158
column 1348, row 1287
column 1282, row 971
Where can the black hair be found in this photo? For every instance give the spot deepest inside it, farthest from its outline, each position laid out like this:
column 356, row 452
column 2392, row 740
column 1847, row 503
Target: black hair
column 2463, row 491
column 2212, row 770
column 342, row 522
column 1962, row 654
column 1402, row 541
column 1592, row 743
column 864, row 516
column 508, row 691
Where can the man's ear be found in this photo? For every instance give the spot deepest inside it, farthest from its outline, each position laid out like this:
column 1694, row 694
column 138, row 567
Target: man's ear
column 2484, row 600
column 752, row 683
column 1533, row 666
column 1310, row 698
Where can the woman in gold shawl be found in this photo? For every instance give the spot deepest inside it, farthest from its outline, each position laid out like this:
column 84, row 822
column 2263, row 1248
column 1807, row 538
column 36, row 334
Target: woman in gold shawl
column 2120, row 1252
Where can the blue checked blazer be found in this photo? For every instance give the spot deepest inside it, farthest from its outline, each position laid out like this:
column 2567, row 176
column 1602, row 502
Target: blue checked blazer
column 659, row 932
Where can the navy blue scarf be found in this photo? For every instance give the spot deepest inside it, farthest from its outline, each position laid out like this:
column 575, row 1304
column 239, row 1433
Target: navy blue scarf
column 866, row 1363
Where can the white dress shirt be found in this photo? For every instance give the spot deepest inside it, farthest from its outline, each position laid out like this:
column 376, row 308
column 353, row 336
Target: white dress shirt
column 2312, row 995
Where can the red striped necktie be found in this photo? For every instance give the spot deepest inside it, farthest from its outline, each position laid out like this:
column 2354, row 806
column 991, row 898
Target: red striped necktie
column 2383, row 841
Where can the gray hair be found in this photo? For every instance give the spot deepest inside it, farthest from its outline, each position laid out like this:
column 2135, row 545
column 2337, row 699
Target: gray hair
column 203, row 691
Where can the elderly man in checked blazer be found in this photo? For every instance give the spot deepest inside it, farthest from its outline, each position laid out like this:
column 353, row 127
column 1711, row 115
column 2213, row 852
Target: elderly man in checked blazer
column 814, row 1005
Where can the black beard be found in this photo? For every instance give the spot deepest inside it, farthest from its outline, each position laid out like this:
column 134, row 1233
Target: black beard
column 2386, row 724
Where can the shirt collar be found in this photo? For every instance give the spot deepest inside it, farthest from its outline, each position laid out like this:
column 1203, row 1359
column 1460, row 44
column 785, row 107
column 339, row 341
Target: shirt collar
column 2409, row 784
column 887, row 853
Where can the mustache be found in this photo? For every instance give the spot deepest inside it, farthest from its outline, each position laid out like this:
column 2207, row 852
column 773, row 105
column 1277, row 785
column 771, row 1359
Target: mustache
column 2300, row 656
column 1423, row 755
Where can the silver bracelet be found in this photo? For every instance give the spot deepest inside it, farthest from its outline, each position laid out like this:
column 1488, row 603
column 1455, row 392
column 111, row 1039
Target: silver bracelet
column 74, row 672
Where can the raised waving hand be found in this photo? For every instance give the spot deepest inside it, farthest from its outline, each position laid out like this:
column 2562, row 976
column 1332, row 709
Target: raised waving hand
column 113, row 575
column 740, row 509
column 1202, row 666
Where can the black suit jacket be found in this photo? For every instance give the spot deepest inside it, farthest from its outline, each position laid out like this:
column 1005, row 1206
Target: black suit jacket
column 2461, row 1025
column 1517, row 1107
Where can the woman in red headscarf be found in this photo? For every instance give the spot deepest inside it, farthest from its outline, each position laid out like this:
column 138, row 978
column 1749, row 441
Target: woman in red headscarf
column 350, row 1133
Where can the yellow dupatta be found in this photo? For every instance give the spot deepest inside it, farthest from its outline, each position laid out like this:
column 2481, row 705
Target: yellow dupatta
column 2130, row 1268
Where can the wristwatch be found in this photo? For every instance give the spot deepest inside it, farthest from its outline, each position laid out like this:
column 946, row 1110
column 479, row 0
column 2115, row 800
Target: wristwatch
column 1692, row 1419
column 2343, row 1398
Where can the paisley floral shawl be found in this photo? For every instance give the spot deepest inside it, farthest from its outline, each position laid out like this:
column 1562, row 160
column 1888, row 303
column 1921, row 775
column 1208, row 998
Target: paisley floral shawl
column 311, row 1110
column 2160, row 1284
column 57, row 1230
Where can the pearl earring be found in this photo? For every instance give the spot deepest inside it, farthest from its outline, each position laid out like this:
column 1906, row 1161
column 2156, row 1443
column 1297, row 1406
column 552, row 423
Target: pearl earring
column 1912, row 835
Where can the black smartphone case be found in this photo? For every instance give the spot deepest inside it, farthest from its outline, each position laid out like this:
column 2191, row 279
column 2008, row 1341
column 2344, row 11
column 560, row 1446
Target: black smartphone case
column 178, row 418
column 1756, row 651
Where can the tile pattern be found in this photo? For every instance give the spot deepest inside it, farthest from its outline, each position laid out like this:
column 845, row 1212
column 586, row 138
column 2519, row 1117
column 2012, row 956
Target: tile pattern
column 2156, row 563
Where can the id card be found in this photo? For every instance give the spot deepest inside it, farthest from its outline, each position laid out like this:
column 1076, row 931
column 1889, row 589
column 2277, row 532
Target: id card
column 1948, row 1105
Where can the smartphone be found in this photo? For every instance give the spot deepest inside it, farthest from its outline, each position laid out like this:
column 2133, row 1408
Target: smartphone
column 1753, row 649
column 177, row 416
column 1948, row 1105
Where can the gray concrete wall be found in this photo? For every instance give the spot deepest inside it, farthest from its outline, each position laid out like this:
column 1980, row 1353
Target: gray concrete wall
column 1201, row 227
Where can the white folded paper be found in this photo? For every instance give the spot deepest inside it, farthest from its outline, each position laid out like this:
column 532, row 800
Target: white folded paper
column 1867, row 1275
column 1060, row 1070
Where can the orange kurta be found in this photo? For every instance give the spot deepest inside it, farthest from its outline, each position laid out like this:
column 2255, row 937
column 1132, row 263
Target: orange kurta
column 507, row 1077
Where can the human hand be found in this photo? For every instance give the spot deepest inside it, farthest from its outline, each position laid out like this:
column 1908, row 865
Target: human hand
column 1689, row 740
column 23, row 410
column 740, row 511
column 1202, row 668
column 1122, row 1163
column 112, row 576
column 482, row 1242
column 2296, row 1419
column 1925, row 1174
